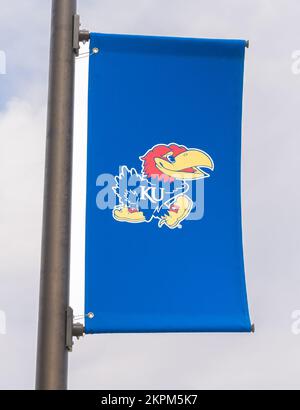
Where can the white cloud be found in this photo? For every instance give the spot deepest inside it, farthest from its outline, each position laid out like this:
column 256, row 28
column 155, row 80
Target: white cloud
column 22, row 137
column 2, row 323
column 22, row 134
column 2, row 62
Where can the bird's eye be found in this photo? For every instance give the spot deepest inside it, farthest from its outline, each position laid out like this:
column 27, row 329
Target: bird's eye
column 171, row 159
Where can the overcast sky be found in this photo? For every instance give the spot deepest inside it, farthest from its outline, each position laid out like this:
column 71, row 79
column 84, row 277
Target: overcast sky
column 271, row 358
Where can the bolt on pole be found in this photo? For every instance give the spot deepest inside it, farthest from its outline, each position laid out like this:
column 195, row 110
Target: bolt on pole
column 52, row 354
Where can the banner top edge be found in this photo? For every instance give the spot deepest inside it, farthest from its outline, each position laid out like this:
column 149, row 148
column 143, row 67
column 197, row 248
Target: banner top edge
column 145, row 37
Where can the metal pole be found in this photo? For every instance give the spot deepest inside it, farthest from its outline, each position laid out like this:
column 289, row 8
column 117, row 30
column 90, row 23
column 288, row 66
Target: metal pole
column 52, row 355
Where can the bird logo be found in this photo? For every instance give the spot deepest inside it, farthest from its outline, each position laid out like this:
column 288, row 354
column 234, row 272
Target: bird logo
column 161, row 190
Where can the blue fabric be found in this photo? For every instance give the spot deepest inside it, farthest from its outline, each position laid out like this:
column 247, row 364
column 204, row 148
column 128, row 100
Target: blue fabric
column 150, row 97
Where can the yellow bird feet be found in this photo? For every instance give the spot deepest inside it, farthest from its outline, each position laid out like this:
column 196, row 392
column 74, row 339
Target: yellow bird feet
column 177, row 212
column 128, row 215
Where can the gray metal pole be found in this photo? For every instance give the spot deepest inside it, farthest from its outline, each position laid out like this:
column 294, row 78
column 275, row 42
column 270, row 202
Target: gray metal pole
column 52, row 355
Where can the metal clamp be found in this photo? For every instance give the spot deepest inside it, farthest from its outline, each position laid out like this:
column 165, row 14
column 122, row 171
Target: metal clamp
column 79, row 35
column 72, row 329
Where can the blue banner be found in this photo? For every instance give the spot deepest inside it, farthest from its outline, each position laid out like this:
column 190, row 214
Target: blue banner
column 163, row 219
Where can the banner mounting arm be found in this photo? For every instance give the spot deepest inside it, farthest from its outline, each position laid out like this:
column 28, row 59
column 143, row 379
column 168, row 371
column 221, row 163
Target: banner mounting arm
column 84, row 36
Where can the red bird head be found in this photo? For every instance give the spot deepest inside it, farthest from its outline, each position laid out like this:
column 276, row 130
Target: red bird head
column 170, row 162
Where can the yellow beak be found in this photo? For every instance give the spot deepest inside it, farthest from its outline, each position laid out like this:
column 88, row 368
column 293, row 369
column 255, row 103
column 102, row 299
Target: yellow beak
column 194, row 159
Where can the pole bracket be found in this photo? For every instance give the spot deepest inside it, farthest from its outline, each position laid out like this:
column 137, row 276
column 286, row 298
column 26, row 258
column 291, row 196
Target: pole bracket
column 72, row 329
column 79, row 35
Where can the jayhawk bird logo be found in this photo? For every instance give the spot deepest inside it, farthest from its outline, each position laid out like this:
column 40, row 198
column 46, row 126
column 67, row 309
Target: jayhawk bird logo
column 161, row 190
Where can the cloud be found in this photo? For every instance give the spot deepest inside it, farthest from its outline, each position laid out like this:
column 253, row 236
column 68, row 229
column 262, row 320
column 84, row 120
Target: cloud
column 25, row 41
column 22, row 130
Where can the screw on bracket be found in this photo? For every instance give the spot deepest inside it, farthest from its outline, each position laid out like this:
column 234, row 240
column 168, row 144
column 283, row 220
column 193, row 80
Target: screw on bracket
column 84, row 36
column 78, row 330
